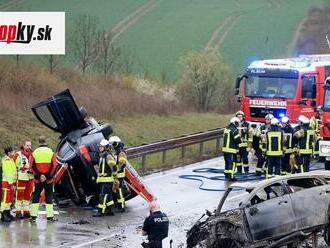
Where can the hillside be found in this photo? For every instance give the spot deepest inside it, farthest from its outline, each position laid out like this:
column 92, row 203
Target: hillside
column 158, row 32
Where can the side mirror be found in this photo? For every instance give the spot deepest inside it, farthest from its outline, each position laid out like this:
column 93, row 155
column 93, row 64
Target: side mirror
column 238, row 98
column 237, row 85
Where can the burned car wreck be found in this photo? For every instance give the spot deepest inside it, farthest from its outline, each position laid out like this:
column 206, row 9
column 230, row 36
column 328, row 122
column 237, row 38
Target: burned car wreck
column 282, row 211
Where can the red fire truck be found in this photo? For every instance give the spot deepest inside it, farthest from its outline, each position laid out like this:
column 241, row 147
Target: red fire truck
column 325, row 126
column 290, row 87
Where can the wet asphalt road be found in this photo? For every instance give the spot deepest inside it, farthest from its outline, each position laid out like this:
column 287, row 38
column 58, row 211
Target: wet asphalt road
column 181, row 199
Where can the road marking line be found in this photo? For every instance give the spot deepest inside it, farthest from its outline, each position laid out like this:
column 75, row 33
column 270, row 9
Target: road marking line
column 94, row 241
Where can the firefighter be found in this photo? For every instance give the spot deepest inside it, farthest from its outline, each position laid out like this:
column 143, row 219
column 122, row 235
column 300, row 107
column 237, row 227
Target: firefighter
column 305, row 137
column 119, row 174
column 9, row 176
column 274, row 148
column 243, row 130
column 288, row 146
column 315, row 122
column 43, row 165
column 24, row 186
column 231, row 141
column 259, row 143
column 105, row 179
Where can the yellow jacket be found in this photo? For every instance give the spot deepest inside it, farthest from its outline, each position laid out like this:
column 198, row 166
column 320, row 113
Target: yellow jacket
column 9, row 172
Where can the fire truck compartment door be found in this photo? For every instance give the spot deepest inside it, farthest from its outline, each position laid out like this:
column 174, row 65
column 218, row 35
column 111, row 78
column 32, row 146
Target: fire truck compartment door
column 59, row 113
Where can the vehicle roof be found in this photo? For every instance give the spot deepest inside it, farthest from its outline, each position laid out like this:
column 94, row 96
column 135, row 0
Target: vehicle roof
column 263, row 183
column 303, row 63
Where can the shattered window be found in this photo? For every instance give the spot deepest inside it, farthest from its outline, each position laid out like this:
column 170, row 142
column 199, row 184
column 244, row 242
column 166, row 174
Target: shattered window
column 234, row 200
column 303, row 183
column 267, row 193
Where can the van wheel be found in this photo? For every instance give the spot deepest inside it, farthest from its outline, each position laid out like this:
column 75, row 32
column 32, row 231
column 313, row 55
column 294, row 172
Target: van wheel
column 226, row 243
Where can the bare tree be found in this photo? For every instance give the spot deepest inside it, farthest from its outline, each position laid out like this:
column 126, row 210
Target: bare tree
column 109, row 54
column 85, row 41
column 52, row 61
column 205, row 79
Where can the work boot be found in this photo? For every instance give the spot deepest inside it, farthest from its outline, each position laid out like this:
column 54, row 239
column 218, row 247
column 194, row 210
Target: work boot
column 98, row 214
column 5, row 217
column 19, row 215
column 51, row 219
column 26, row 214
column 246, row 170
column 10, row 215
column 33, row 219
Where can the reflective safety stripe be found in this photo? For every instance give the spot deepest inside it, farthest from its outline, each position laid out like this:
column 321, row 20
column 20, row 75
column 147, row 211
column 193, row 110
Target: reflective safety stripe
column 121, row 199
column 259, row 169
column 104, row 205
column 243, row 144
column 274, row 143
column 226, row 138
column 34, row 209
column 121, row 174
column 302, row 168
column 49, row 210
column 104, row 179
column 308, row 149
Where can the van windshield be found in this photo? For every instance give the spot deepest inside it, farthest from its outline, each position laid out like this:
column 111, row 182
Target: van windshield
column 270, row 87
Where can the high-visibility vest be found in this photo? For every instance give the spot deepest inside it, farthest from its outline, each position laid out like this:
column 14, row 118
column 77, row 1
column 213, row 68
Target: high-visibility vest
column 306, row 142
column 229, row 144
column 43, row 159
column 9, row 173
column 274, row 143
column 22, row 174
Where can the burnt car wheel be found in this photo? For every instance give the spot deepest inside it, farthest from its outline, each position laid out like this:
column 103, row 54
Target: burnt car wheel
column 226, row 243
column 327, row 234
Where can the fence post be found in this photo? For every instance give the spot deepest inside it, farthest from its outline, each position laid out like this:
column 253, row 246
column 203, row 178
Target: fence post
column 217, row 145
column 201, row 148
column 143, row 162
column 183, row 152
column 164, row 157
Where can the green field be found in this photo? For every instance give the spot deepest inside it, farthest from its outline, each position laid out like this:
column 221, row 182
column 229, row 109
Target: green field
column 259, row 28
column 134, row 130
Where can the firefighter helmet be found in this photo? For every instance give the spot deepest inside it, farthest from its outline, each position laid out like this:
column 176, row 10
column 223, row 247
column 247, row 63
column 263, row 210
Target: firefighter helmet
column 274, row 122
column 318, row 108
column 114, row 140
column 104, row 143
column 235, row 120
column 269, row 116
column 305, row 120
column 301, row 118
column 239, row 113
column 285, row 119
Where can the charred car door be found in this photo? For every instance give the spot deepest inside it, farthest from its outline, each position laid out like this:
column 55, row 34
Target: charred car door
column 269, row 213
column 59, row 113
column 310, row 201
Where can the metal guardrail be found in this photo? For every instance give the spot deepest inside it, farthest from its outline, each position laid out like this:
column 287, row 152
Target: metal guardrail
column 175, row 143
